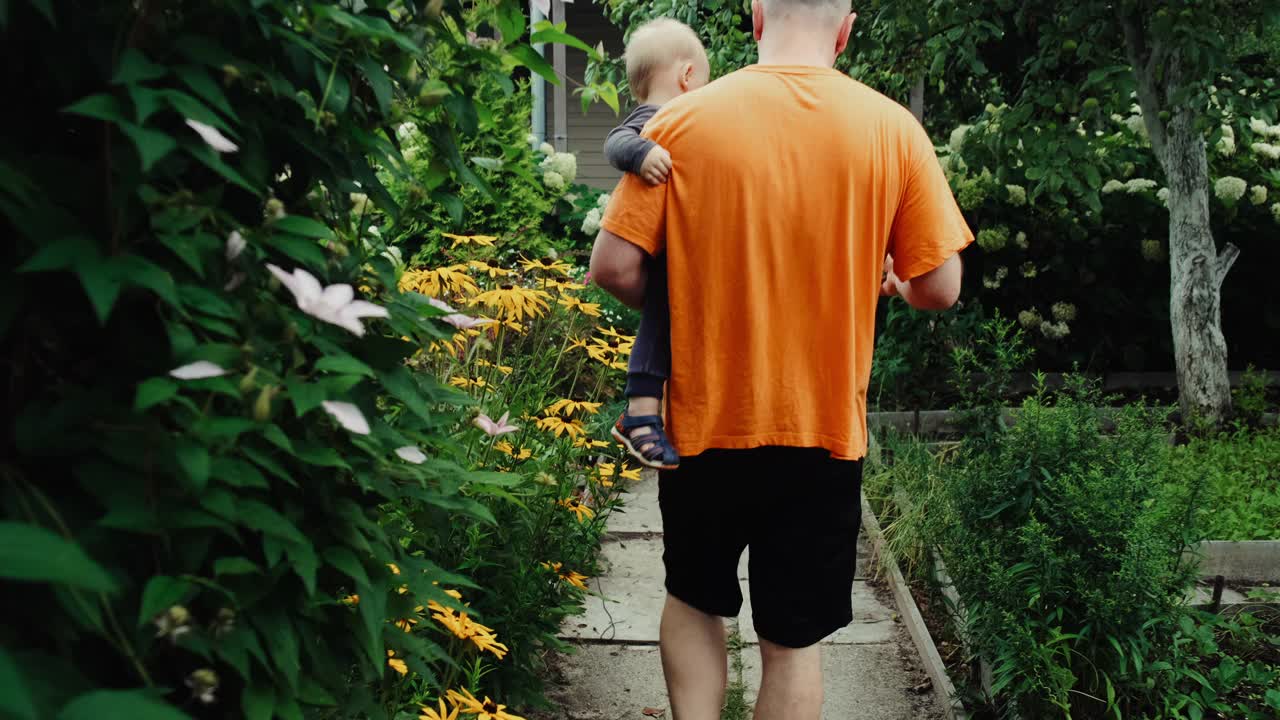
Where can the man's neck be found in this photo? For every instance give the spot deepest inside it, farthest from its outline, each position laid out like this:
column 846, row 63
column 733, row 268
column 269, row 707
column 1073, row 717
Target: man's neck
column 795, row 48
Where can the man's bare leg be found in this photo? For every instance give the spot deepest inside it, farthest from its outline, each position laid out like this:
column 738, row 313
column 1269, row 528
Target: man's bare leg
column 791, row 683
column 695, row 661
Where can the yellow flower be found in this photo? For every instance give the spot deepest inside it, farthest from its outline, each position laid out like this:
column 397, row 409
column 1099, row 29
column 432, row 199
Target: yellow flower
column 465, row 382
column 350, row 600
column 504, row 369
column 485, row 709
column 487, row 641
column 562, row 285
column 560, row 426
column 575, row 579
column 406, row 624
column 605, row 469
column 575, row 343
column 396, row 663
column 583, row 442
column 586, row 308
column 630, row 473
column 486, row 269
column 577, row 508
column 395, row 569
column 441, row 714
column 546, row 264
column 507, row 448
column 568, row 407
column 613, row 333
column 481, row 240
column 434, row 283
column 514, row 302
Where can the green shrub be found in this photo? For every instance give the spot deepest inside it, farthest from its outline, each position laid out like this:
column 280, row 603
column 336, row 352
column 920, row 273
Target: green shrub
column 218, row 490
column 1240, row 475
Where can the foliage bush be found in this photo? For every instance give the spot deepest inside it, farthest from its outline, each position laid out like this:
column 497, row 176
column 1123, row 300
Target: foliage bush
column 1240, row 473
column 227, row 494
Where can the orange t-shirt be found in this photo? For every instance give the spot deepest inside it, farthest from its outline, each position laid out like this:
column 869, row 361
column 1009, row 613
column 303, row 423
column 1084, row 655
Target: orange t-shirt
column 789, row 185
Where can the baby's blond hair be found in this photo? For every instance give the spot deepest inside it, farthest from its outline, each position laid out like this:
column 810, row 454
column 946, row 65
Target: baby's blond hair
column 657, row 44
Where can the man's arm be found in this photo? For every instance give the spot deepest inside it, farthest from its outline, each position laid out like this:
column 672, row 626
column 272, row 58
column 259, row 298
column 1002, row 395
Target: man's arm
column 937, row 289
column 619, row 267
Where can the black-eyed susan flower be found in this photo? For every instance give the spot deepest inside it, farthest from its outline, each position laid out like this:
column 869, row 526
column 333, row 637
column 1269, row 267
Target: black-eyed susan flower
column 576, row 507
column 507, row 448
column 406, row 624
column 576, row 344
column 466, row 382
column 451, row 279
column 563, row 286
column 586, row 308
column 566, row 407
column 439, row 714
column 485, row 709
column 512, row 302
column 589, row 444
column 396, row 663
column 575, row 579
column 478, row 240
column 560, row 426
column 493, row 271
column 629, row 473
column 504, row 369
column 546, row 264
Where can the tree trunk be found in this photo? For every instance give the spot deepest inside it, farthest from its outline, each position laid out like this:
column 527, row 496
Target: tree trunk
column 1196, row 270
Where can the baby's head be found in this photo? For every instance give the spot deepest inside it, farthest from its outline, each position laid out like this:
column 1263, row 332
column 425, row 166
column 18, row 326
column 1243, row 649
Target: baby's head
column 665, row 59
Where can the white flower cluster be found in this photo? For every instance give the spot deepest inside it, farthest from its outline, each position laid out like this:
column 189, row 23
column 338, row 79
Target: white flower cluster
column 1030, row 319
column 558, row 169
column 1163, row 196
column 1152, row 250
column 1261, row 128
column 1063, row 312
column 1135, row 185
column 1230, row 189
column 992, row 283
column 1136, row 125
column 1258, row 194
column 957, row 138
column 1227, row 143
column 1017, row 195
column 591, row 223
column 1267, row 150
column 1028, row 269
column 1021, row 240
column 1055, row 330
column 1275, row 212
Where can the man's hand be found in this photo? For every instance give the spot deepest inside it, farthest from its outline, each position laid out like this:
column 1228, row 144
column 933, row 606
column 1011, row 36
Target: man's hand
column 656, row 165
column 890, row 285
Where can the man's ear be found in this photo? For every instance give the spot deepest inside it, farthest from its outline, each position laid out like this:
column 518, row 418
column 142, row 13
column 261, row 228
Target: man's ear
column 846, row 28
column 757, row 19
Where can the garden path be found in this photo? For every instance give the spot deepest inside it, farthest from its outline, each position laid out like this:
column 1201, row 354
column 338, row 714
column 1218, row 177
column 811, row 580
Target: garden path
column 871, row 668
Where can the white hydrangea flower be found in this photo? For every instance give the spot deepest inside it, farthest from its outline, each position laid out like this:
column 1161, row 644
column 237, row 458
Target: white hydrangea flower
column 359, row 203
column 1055, row 331
column 1138, row 185
column 1136, row 125
column 990, row 283
column 563, row 164
column 553, row 180
column 603, row 200
column 1226, row 146
column 532, row 139
column 1163, row 196
column 1117, row 118
column 546, row 148
column 1258, row 194
column 591, row 223
column 1266, row 150
column 1017, row 195
column 1021, row 240
column 1259, row 126
column 1229, row 188
column 1064, row 312
column 1030, row 319
column 1275, row 212
column 1112, row 186
column 406, row 130
column 956, row 142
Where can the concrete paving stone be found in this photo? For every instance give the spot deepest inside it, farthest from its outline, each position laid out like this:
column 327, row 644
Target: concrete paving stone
column 639, row 512
column 607, row 682
column 862, row 682
column 631, row 595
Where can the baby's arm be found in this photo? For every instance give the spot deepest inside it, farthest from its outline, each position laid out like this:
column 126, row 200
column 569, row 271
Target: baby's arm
column 627, row 151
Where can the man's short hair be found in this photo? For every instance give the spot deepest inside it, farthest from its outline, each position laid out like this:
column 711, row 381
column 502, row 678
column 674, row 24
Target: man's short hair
column 655, row 45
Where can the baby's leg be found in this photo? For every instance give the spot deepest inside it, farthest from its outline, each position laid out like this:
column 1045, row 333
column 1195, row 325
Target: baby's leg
column 650, row 362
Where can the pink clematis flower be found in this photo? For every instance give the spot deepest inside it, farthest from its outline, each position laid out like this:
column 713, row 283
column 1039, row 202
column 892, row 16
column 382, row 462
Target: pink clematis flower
column 334, row 304
column 494, row 429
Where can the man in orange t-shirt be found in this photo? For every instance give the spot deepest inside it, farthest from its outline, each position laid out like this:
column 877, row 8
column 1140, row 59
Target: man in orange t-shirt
column 797, row 196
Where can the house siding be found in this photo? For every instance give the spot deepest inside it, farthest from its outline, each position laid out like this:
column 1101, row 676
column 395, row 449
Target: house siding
column 586, row 133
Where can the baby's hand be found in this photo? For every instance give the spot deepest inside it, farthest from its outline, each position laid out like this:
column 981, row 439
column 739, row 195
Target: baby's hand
column 656, row 165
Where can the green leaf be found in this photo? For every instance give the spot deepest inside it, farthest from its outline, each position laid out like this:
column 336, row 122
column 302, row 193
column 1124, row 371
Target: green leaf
column 463, row 112
column 401, row 384
column 210, row 159
column 101, row 106
column 545, row 32
column 262, row 517
column 305, row 564
column 161, row 593
column 152, row 145
column 188, row 249
column 346, row 562
column 119, row 705
column 278, row 633
column 194, row 460
column 61, row 254
column 302, row 250
column 305, row 396
column 343, row 364
column 235, row 566
column 528, row 57
column 287, row 709
column 197, row 78
column 258, row 702
column 140, row 272
column 32, row 553
column 238, row 473
column 153, row 392
column 378, row 81
column 15, row 699
column 304, row 226
column 134, row 67
column 146, row 102
column 511, row 21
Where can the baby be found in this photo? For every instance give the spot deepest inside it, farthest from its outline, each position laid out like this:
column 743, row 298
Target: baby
column 664, row 59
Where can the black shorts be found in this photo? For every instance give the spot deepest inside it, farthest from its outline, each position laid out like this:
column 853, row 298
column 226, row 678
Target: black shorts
column 798, row 509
